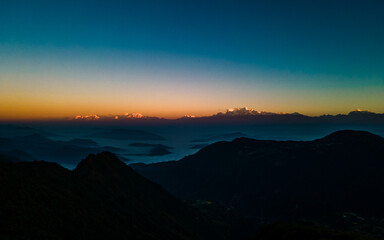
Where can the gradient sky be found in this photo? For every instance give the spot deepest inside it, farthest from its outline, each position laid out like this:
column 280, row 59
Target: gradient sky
column 170, row 58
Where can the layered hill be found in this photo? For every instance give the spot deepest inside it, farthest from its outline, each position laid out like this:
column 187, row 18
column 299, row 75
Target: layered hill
column 36, row 146
column 101, row 199
column 283, row 180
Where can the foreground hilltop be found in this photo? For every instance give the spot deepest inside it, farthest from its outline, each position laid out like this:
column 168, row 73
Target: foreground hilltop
column 102, row 198
column 272, row 181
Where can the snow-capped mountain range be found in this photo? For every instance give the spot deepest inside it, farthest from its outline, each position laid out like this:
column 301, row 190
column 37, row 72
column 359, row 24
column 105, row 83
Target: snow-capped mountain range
column 243, row 114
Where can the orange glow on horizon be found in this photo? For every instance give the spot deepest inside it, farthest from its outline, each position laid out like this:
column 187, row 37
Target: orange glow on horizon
column 49, row 96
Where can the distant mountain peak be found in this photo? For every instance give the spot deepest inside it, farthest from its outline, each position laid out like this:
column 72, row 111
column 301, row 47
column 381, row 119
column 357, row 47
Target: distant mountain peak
column 240, row 111
column 245, row 111
column 189, row 116
column 125, row 116
column 87, row 117
column 129, row 115
column 359, row 112
column 244, row 114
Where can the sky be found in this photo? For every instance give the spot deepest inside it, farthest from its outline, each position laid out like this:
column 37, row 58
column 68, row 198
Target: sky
column 171, row 58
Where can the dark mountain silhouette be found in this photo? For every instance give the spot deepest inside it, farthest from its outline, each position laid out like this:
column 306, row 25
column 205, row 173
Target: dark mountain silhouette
column 126, row 134
column 101, row 199
column 283, row 180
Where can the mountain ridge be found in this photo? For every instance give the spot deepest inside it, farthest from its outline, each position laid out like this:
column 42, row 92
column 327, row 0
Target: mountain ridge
column 244, row 114
column 282, row 180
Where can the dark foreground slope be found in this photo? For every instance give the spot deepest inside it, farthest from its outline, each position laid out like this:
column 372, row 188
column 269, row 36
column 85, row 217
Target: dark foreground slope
column 101, row 199
column 283, row 180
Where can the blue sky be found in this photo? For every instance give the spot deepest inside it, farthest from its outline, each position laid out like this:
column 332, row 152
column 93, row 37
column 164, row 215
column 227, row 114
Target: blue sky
column 309, row 56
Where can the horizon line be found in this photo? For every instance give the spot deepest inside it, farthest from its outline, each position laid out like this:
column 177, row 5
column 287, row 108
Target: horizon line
column 139, row 116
